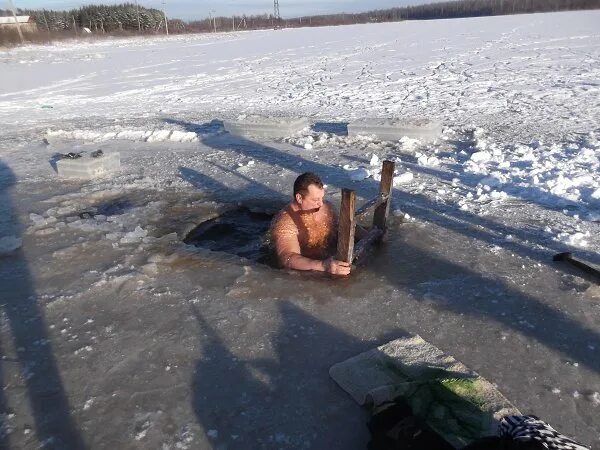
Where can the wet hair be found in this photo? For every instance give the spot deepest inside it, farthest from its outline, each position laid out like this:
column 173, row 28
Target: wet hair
column 304, row 181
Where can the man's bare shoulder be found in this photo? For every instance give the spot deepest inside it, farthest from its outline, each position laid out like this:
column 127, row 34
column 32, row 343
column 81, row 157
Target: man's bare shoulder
column 283, row 223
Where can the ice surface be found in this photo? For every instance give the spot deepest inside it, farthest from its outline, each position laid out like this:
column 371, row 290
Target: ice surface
column 9, row 243
column 88, row 167
column 395, row 129
column 466, row 265
column 262, row 126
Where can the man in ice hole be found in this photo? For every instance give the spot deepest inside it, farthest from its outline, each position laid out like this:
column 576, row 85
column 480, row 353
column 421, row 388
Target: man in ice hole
column 305, row 231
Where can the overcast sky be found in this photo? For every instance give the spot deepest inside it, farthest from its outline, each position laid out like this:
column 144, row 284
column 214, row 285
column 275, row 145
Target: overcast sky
column 197, row 9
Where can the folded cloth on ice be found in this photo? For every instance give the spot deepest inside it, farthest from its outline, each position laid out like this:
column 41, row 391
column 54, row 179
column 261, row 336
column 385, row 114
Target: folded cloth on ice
column 453, row 400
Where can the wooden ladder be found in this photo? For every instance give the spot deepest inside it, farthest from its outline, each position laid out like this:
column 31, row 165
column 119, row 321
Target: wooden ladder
column 346, row 250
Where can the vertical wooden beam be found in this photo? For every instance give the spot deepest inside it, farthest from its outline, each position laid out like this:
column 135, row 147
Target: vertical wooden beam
column 346, row 227
column 381, row 213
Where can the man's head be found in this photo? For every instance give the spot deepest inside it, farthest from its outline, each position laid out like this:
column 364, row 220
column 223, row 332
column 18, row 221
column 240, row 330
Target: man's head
column 309, row 192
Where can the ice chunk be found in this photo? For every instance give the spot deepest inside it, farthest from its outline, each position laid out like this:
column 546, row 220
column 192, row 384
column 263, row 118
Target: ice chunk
column 406, row 177
column 480, row 157
column 87, row 167
column 395, row 129
column 494, row 180
column 409, row 144
column 40, row 221
column 424, row 160
column 132, row 135
column 134, row 236
column 359, row 174
column 498, row 195
column 183, row 136
column 374, row 160
column 213, row 434
column 262, row 126
column 159, row 136
column 9, row 244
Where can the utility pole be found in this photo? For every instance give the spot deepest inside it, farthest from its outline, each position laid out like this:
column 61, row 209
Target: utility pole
column 165, row 16
column 276, row 15
column 214, row 19
column 137, row 10
column 12, row 7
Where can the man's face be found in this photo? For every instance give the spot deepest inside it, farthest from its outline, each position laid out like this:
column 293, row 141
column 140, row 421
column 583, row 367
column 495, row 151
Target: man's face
column 313, row 200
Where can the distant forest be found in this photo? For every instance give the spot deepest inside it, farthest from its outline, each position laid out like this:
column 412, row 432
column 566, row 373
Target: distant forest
column 100, row 18
column 128, row 18
column 451, row 10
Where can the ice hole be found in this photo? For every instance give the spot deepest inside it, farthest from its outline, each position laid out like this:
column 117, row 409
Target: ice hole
column 240, row 232
column 112, row 207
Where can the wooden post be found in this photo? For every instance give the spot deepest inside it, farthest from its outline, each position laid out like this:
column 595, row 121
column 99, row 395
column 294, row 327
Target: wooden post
column 347, row 226
column 385, row 188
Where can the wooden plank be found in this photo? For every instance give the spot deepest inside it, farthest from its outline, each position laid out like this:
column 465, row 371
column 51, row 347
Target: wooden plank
column 373, row 203
column 568, row 257
column 385, row 188
column 372, row 236
column 346, row 227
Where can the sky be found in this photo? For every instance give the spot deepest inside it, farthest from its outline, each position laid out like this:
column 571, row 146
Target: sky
column 199, row 9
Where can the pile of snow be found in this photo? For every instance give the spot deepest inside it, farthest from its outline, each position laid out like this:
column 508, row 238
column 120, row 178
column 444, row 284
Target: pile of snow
column 160, row 135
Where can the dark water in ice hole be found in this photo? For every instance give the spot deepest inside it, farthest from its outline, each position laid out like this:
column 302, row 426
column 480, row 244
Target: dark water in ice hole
column 112, row 207
column 239, row 232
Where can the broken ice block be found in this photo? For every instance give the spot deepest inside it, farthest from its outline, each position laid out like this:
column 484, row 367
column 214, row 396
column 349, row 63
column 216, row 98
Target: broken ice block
column 394, row 129
column 261, row 126
column 88, row 167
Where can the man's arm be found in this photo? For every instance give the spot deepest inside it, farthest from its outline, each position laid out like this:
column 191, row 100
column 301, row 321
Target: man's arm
column 288, row 252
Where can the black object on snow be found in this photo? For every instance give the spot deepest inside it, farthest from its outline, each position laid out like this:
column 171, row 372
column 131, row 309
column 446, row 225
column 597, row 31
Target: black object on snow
column 71, row 155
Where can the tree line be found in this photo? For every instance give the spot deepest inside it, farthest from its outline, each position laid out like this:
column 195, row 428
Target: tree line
column 447, row 10
column 129, row 17
column 99, row 18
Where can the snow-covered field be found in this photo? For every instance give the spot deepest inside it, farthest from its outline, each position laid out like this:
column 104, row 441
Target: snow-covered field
column 117, row 335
